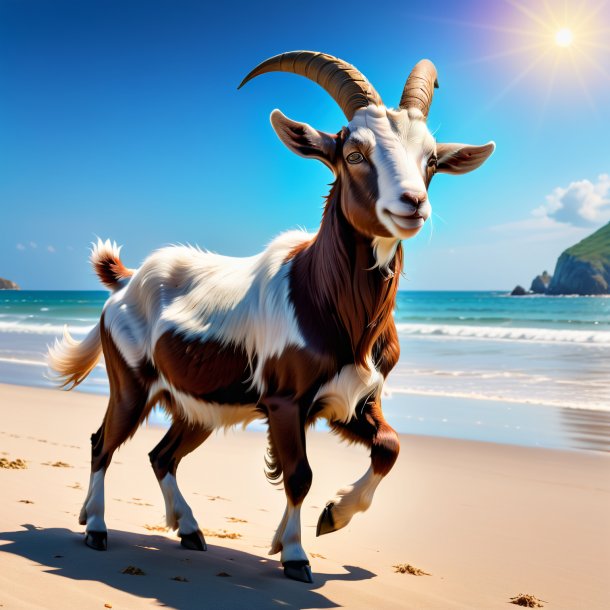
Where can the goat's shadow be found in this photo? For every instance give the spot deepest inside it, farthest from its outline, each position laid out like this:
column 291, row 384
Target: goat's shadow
column 252, row 581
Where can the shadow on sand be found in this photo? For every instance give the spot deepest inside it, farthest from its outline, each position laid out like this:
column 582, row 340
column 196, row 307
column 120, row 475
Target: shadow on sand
column 254, row 582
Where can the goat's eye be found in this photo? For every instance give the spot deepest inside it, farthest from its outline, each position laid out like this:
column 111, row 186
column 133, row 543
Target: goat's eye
column 432, row 162
column 354, row 158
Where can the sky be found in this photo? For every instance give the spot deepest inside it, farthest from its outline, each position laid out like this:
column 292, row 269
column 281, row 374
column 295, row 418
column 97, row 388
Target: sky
column 122, row 119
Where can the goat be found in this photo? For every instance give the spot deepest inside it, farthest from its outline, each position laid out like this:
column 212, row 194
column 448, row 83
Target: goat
column 302, row 331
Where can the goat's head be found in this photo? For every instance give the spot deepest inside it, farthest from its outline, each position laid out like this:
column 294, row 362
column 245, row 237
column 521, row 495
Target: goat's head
column 384, row 158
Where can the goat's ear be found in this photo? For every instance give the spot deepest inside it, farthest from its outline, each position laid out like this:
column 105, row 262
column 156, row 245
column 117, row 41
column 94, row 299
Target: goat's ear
column 304, row 140
column 461, row 158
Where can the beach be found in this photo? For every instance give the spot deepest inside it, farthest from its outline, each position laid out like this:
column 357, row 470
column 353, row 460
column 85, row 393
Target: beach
column 486, row 521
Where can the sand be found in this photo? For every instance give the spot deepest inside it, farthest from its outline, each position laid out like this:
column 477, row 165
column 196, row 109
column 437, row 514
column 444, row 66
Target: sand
column 485, row 522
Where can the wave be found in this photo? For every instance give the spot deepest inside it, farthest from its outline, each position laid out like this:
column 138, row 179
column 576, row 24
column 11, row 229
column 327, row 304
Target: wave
column 506, row 333
column 450, row 331
column 549, row 402
column 42, row 328
column 40, row 361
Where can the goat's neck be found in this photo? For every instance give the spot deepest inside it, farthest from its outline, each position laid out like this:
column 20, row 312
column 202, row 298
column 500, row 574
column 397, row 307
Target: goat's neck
column 343, row 299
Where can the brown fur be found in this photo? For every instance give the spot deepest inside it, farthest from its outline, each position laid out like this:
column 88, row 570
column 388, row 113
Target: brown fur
column 370, row 429
column 180, row 440
column 111, row 270
column 287, row 436
column 343, row 305
column 206, row 370
column 127, row 406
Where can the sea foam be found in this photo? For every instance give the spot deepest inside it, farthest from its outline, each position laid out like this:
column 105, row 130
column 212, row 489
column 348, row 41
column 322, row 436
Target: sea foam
column 506, row 333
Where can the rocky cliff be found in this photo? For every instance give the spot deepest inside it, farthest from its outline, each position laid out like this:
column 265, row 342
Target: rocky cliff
column 585, row 267
column 8, row 285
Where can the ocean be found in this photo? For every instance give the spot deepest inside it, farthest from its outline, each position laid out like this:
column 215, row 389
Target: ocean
column 525, row 355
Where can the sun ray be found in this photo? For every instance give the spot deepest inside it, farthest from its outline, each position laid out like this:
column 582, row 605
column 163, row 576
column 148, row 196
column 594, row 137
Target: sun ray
column 530, row 14
column 500, row 55
column 583, row 85
column 516, row 80
column 593, row 62
column 593, row 13
column 594, row 45
column 480, row 26
column 551, row 15
column 549, row 90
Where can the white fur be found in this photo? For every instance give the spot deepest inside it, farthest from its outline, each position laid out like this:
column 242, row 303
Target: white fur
column 384, row 249
column 208, row 415
column 178, row 514
column 355, row 498
column 341, row 395
column 288, row 536
column 70, row 361
column 92, row 513
column 398, row 144
column 102, row 250
column 237, row 301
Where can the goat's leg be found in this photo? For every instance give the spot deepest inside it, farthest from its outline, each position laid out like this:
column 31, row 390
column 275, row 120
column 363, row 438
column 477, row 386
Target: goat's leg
column 180, row 440
column 288, row 456
column 127, row 408
column 117, row 427
column 370, row 429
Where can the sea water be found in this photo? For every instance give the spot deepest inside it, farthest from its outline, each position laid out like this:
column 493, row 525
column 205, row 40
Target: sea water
column 475, row 348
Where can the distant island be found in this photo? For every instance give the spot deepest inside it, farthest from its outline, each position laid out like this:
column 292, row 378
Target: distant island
column 8, row 285
column 583, row 269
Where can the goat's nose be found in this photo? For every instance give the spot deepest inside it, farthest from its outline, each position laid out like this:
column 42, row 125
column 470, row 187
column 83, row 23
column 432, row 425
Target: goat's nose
column 413, row 197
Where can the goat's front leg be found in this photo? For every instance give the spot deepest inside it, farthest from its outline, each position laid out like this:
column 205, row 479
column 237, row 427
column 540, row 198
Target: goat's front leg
column 287, row 456
column 371, row 429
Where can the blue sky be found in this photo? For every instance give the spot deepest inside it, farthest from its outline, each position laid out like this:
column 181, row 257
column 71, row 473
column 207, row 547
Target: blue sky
column 123, row 120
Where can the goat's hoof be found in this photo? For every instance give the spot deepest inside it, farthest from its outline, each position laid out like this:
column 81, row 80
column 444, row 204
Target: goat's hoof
column 194, row 541
column 97, row 540
column 326, row 522
column 298, row 570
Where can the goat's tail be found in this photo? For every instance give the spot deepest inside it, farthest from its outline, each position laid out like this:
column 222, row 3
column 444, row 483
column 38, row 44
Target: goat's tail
column 106, row 261
column 70, row 361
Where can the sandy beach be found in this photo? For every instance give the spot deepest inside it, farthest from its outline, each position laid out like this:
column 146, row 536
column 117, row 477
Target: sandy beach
column 486, row 521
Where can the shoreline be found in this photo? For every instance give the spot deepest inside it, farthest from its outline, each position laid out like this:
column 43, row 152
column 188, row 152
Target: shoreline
column 487, row 521
column 464, row 417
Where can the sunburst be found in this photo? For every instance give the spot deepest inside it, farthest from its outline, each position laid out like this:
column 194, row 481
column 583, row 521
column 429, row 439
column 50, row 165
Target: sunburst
column 559, row 43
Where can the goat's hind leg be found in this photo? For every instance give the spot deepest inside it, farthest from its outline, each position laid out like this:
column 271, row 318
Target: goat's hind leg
column 370, row 429
column 119, row 424
column 180, row 440
column 127, row 408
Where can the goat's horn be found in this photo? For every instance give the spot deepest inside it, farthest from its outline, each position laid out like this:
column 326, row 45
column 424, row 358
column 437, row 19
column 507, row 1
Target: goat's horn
column 419, row 87
column 347, row 86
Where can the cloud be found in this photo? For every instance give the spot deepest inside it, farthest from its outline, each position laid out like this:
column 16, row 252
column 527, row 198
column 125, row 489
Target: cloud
column 20, row 247
column 33, row 244
column 581, row 204
column 51, row 249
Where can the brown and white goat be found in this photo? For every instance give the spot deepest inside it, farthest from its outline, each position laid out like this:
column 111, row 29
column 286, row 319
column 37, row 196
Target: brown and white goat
column 303, row 330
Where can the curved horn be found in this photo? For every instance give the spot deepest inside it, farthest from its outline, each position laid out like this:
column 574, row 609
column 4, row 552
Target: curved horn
column 347, row 86
column 419, row 87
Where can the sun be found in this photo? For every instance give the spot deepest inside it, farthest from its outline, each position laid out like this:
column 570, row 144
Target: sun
column 564, row 37
column 555, row 42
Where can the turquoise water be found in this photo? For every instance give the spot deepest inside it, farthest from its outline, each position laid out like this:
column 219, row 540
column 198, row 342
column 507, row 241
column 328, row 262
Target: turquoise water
column 47, row 311
column 500, row 310
column 488, row 352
